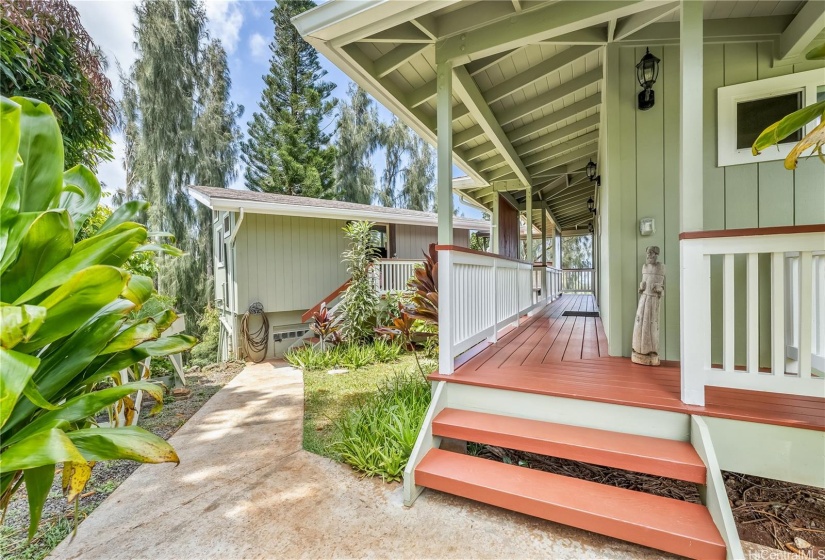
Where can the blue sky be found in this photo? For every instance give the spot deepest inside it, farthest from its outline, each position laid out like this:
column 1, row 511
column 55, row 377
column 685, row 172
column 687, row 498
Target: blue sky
column 245, row 29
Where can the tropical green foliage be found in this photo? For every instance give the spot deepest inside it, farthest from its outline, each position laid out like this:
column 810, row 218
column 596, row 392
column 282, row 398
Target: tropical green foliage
column 360, row 302
column 577, row 251
column 47, row 54
column 287, row 151
column 350, row 356
column 180, row 129
column 778, row 131
column 206, row 352
column 377, row 437
column 66, row 308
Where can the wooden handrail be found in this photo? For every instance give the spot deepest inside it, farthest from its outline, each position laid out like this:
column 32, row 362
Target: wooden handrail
column 746, row 232
column 461, row 249
column 315, row 308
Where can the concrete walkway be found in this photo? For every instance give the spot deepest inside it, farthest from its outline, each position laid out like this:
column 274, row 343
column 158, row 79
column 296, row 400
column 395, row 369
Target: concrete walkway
column 246, row 489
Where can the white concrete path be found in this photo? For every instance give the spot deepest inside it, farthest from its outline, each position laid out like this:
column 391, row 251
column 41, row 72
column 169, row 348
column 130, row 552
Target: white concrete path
column 246, row 489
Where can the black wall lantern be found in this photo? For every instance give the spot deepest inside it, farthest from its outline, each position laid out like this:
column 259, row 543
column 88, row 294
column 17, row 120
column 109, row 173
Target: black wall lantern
column 647, row 71
column 590, row 227
column 591, row 204
column 590, row 170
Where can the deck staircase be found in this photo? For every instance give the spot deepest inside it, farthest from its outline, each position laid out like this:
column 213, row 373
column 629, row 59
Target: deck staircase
column 665, row 449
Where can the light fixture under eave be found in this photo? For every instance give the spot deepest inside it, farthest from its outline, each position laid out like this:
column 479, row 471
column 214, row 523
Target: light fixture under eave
column 590, row 169
column 647, row 72
column 590, row 227
column 591, row 204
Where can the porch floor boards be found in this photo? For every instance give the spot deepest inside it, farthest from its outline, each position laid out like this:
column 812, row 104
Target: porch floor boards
column 552, row 354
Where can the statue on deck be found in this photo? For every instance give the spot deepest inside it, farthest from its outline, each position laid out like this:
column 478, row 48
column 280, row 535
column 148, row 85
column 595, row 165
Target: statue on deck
column 646, row 326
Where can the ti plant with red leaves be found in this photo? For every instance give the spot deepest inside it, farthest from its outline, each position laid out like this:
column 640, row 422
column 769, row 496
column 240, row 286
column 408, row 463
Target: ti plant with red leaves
column 402, row 328
column 424, row 287
column 324, row 325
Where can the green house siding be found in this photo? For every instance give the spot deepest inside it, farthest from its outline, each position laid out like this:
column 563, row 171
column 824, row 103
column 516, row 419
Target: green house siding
column 642, row 179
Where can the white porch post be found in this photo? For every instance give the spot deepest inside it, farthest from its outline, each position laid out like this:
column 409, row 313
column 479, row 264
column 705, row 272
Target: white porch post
column 691, row 50
column 529, row 211
column 544, row 287
column 444, row 120
column 494, row 224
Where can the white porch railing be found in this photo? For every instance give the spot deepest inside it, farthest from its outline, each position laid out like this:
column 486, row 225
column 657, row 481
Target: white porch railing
column 553, row 282
column 393, row 274
column 479, row 293
column 796, row 305
column 577, row 280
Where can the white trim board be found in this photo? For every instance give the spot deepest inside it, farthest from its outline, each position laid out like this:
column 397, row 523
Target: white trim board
column 729, row 96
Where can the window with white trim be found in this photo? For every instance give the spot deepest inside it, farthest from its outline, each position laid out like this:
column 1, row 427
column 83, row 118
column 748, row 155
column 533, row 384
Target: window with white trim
column 219, row 247
column 745, row 110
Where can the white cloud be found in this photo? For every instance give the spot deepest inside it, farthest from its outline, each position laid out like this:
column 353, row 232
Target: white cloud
column 225, row 21
column 258, row 46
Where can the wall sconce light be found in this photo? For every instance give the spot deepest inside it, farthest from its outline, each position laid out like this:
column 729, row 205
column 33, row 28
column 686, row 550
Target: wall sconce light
column 590, row 170
column 590, row 227
column 647, row 71
column 591, row 205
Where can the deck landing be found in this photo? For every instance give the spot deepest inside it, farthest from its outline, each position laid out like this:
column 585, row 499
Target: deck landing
column 552, row 354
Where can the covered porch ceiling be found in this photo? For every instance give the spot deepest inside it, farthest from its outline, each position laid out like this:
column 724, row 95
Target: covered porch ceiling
column 527, row 76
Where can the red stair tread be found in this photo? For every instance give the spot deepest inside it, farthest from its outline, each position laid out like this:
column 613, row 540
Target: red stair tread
column 662, row 523
column 656, row 456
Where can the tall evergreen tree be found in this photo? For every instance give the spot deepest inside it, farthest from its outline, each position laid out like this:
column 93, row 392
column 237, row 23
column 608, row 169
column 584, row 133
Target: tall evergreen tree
column 419, row 175
column 180, row 129
column 395, row 139
column 357, row 138
column 287, row 151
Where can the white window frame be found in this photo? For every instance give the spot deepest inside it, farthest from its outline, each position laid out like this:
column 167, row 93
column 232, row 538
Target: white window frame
column 227, row 225
column 729, row 96
column 220, row 257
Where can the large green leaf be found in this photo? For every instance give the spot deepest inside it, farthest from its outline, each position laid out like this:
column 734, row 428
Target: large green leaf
column 43, row 448
column 12, row 231
column 113, row 250
column 162, row 248
column 9, row 141
column 80, row 206
column 48, row 241
column 780, row 130
column 139, row 289
column 76, row 301
column 64, row 360
column 168, row 345
column 16, row 371
column 165, row 346
column 38, row 483
column 41, row 149
column 131, row 442
column 86, row 405
column 133, row 336
column 127, row 212
column 19, row 323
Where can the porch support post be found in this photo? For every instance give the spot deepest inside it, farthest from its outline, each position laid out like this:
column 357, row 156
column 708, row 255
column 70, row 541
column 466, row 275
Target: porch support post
column 544, row 287
column 444, row 120
column 691, row 50
column 494, row 229
column 529, row 211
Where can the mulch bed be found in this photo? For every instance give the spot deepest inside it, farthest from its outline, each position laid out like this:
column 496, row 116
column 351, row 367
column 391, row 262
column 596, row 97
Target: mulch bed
column 201, row 383
column 785, row 516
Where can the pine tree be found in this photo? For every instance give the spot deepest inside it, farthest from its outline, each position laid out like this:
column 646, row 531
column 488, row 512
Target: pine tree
column 180, row 129
column 419, row 176
column 287, row 151
column 395, row 139
column 357, row 138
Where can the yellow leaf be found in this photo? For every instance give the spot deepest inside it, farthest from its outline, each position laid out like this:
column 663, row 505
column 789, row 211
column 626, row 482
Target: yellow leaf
column 814, row 139
column 75, row 477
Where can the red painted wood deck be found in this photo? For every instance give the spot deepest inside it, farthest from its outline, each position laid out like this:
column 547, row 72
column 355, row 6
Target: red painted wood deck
column 551, row 354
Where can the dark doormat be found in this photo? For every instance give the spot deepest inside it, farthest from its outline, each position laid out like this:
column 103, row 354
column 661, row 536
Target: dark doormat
column 580, row 314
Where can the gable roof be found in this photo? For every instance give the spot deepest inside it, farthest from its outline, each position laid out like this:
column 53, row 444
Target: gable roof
column 283, row 205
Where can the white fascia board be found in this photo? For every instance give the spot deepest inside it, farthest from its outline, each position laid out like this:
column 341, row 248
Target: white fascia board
column 277, row 209
column 328, row 19
column 200, row 197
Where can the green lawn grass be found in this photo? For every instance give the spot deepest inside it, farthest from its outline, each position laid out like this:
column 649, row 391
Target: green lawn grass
column 327, row 397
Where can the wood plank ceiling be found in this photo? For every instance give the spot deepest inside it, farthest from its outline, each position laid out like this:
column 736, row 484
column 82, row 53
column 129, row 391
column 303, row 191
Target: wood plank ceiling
column 528, row 114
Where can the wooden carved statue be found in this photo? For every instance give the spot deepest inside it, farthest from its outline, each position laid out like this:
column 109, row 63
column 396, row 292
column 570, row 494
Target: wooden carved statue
column 646, row 327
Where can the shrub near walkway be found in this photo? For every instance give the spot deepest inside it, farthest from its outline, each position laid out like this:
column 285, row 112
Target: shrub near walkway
column 344, row 413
